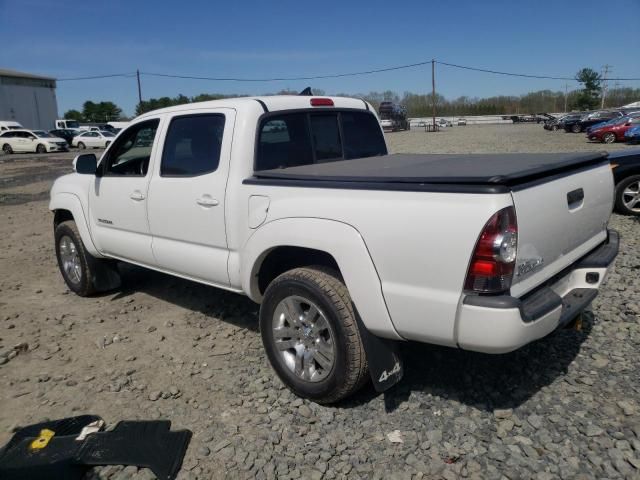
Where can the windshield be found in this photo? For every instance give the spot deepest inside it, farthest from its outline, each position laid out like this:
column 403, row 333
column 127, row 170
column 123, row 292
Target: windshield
column 42, row 134
column 72, row 124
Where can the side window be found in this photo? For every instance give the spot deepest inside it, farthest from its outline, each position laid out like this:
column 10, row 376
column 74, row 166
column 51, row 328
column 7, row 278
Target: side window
column 193, row 145
column 131, row 153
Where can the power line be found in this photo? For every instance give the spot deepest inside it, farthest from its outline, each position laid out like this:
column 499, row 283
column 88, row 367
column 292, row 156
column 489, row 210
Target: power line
column 314, row 77
column 510, row 74
column 95, row 77
column 336, row 75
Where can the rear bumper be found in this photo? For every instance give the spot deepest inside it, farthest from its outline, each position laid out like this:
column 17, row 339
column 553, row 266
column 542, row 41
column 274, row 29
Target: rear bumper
column 500, row 324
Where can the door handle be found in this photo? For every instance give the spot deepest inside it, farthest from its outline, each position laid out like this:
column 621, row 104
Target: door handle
column 207, row 201
column 136, row 195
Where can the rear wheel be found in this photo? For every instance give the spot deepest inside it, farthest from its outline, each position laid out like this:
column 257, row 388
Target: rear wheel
column 310, row 335
column 81, row 146
column 554, row 128
column 576, row 128
column 628, row 196
column 609, row 137
column 41, row 148
column 6, row 148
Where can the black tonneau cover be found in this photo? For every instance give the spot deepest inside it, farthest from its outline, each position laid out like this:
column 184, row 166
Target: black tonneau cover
column 487, row 173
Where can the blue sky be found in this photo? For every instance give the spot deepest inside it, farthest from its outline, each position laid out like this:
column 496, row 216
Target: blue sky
column 67, row 38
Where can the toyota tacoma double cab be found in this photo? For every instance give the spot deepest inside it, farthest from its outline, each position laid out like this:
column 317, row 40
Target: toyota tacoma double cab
column 295, row 202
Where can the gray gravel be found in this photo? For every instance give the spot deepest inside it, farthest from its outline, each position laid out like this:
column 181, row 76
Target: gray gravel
column 564, row 407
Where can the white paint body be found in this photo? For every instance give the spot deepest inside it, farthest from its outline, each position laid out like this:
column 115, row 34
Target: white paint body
column 93, row 139
column 27, row 141
column 403, row 255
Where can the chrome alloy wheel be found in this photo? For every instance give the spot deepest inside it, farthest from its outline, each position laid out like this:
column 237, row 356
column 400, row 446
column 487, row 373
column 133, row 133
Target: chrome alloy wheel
column 631, row 196
column 304, row 338
column 70, row 259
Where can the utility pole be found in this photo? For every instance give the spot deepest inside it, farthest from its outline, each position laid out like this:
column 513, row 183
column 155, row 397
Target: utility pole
column 433, row 91
column 139, row 88
column 566, row 87
column 605, row 72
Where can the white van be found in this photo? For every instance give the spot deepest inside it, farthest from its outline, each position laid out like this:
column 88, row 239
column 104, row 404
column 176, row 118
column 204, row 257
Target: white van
column 64, row 124
column 4, row 126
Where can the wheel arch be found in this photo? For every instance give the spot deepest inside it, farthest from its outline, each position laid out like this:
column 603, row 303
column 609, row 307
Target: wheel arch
column 67, row 206
column 298, row 242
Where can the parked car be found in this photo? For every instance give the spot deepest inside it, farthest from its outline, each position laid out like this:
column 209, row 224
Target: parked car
column 4, row 126
column 613, row 131
column 626, row 176
column 462, row 122
column 37, row 141
column 560, row 122
column 67, row 134
column 456, row 252
column 93, row 139
column 632, row 135
column 577, row 126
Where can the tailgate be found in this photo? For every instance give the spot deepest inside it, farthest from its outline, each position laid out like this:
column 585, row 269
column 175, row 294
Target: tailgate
column 559, row 221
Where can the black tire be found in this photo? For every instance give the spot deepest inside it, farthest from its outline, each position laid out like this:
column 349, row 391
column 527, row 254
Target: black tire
column 575, row 128
column 6, row 148
column 554, row 128
column 81, row 146
column 609, row 138
column 620, row 206
column 41, row 148
column 85, row 286
column 324, row 288
column 106, row 145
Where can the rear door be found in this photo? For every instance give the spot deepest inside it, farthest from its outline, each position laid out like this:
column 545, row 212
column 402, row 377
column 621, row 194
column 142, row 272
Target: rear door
column 558, row 222
column 187, row 195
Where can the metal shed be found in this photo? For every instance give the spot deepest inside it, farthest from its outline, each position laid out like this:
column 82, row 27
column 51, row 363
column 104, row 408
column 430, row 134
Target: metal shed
column 28, row 99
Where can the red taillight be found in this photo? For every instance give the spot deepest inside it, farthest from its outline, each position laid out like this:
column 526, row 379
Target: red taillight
column 321, row 102
column 494, row 258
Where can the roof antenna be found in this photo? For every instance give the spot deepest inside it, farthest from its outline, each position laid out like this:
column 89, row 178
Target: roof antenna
column 306, row 92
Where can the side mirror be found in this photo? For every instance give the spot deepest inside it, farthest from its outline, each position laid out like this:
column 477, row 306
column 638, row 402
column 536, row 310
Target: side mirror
column 85, row 164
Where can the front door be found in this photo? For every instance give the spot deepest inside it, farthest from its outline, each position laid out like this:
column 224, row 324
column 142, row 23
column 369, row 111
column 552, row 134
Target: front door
column 118, row 195
column 187, row 196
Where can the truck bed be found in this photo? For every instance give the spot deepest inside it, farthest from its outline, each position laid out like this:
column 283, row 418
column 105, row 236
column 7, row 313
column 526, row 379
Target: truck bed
column 477, row 173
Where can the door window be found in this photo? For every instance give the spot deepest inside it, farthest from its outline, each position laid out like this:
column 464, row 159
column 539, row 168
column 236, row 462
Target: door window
column 131, row 153
column 192, row 146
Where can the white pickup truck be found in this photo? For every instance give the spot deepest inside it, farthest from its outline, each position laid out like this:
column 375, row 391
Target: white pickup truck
column 295, row 202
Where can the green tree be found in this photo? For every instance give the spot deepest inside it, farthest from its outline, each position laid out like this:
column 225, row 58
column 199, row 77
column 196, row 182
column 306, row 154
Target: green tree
column 100, row 112
column 589, row 95
column 74, row 115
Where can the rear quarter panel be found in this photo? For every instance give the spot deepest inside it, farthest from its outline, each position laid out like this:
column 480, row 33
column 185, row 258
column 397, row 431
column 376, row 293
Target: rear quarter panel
column 420, row 244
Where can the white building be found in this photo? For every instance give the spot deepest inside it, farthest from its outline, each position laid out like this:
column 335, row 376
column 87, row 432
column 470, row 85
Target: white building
column 28, row 99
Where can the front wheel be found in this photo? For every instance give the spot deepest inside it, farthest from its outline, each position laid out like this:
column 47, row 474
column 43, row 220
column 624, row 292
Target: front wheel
column 106, row 145
column 576, row 128
column 83, row 273
column 41, row 149
column 609, row 138
column 310, row 334
column 628, row 196
column 81, row 146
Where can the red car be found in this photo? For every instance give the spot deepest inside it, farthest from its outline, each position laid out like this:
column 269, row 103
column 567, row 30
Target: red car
column 614, row 132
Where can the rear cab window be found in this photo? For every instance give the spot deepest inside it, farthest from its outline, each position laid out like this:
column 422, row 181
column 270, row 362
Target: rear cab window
column 291, row 139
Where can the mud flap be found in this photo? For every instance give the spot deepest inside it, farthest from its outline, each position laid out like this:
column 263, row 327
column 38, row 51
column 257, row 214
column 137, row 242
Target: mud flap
column 106, row 275
column 68, row 448
column 385, row 363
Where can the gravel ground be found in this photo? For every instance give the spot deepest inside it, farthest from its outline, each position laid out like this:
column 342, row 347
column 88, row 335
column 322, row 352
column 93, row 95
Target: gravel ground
column 160, row 347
